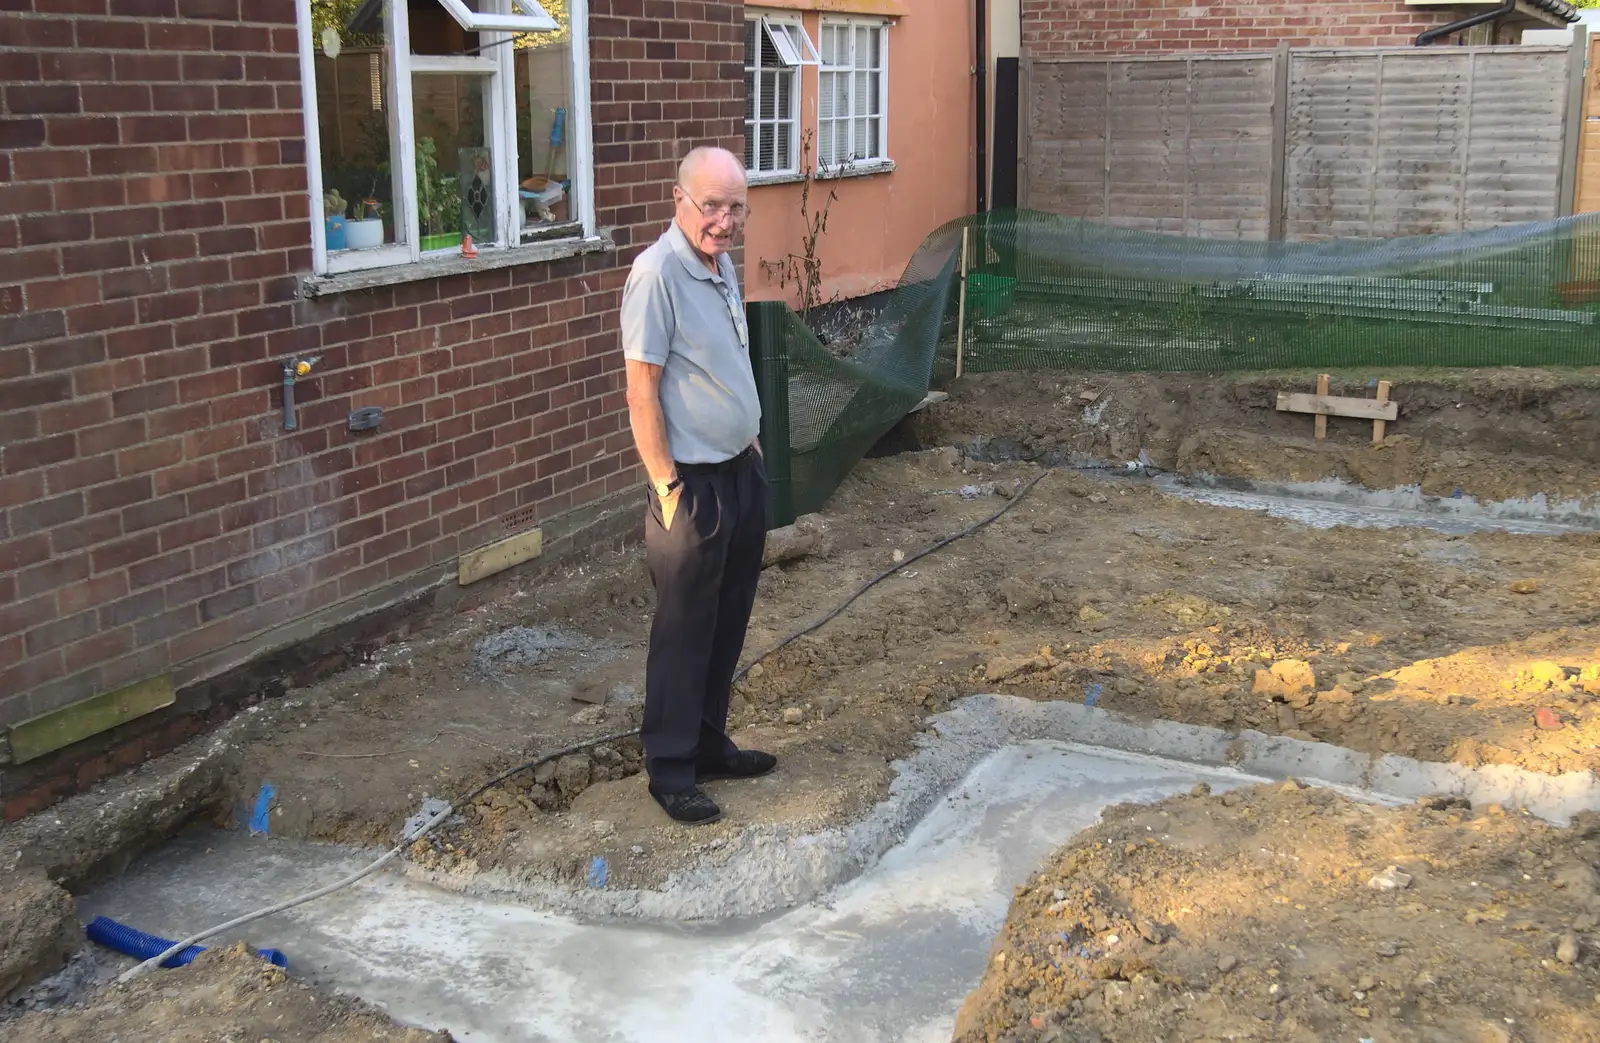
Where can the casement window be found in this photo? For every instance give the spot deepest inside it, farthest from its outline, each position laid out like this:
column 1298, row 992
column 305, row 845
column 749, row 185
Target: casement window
column 852, row 92
column 431, row 120
column 774, row 51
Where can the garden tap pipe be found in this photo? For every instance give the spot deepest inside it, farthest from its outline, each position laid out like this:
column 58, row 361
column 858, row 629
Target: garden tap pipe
column 292, row 370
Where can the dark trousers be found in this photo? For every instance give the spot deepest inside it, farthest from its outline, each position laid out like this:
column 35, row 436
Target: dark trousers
column 705, row 571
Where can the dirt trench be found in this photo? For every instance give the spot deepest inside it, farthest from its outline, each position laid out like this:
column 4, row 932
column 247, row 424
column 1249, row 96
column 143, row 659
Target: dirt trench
column 1477, row 649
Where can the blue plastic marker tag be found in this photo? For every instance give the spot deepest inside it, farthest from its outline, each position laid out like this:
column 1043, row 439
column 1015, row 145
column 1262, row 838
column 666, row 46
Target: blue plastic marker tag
column 258, row 821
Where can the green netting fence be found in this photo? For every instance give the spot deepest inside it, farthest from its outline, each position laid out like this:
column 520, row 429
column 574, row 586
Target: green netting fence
column 1031, row 291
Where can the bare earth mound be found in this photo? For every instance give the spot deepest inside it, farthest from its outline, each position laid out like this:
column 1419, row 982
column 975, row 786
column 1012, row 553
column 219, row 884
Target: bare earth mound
column 1297, row 915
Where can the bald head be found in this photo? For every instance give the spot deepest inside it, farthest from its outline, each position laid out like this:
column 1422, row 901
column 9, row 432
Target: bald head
column 708, row 161
column 711, row 199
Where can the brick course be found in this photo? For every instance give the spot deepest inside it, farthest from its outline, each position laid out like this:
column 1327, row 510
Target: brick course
column 1052, row 28
column 154, row 226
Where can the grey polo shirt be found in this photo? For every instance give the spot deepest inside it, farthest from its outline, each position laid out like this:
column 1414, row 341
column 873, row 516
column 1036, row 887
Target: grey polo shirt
column 677, row 315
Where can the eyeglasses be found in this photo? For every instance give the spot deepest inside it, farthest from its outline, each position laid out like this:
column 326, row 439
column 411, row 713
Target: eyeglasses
column 736, row 211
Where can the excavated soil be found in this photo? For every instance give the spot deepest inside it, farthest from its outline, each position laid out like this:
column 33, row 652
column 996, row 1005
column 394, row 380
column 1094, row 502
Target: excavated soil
column 1494, row 434
column 1478, row 649
column 1299, row 916
column 227, row 995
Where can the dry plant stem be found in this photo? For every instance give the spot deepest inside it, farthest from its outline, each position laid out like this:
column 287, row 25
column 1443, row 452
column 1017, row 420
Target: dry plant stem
column 804, row 269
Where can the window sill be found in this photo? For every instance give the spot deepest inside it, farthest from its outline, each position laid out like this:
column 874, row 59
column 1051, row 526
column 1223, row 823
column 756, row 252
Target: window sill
column 441, row 267
column 877, row 166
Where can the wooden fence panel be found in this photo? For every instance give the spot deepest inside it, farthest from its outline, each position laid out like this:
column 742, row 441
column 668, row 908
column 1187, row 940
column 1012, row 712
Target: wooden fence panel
column 1181, row 145
column 1375, row 142
column 1589, row 157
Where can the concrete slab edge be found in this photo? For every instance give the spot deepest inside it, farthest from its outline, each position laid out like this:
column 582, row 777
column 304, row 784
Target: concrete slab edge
column 770, row 868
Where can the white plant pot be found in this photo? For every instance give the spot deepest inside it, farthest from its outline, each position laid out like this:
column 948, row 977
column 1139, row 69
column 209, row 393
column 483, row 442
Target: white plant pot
column 363, row 235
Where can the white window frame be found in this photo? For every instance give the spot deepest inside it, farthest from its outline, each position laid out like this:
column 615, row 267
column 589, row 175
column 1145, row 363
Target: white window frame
column 790, row 39
column 532, row 18
column 795, row 51
column 496, row 63
column 857, row 163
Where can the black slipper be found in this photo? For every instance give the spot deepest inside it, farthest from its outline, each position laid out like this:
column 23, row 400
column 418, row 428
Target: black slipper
column 746, row 764
column 690, row 807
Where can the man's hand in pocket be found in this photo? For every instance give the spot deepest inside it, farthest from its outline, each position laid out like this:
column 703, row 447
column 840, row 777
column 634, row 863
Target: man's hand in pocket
column 669, row 507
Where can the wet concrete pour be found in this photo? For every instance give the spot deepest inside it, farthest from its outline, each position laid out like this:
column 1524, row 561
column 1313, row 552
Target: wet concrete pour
column 887, row 957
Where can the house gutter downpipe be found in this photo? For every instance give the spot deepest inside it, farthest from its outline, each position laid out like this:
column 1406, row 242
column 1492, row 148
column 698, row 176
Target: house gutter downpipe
column 982, row 47
column 1425, row 38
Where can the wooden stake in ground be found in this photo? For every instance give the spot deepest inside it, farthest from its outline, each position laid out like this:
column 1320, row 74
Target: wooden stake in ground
column 1380, row 427
column 1323, row 405
column 1322, row 420
column 961, row 308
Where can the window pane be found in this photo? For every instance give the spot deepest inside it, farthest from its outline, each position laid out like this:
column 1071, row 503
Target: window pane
column 875, row 94
column 455, row 171
column 543, row 63
column 353, row 117
column 769, row 95
column 825, row 93
column 783, row 135
column 766, row 155
column 751, row 89
column 434, row 31
column 770, row 58
column 863, row 55
column 866, row 93
column 751, row 53
column 785, row 106
column 750, row 132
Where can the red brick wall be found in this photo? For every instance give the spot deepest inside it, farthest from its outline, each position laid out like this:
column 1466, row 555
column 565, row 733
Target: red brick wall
column 153, row 233
column 1056, row 27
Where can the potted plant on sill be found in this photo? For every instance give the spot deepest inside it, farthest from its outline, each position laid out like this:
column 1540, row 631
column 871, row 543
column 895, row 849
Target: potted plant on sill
column 366, row 232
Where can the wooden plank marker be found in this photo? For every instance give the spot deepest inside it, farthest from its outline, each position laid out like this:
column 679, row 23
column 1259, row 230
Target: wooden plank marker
column 1323, row 405
column 499, row 556
column 55, row 729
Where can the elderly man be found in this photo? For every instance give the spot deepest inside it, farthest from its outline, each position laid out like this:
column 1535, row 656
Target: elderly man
column 695, row 416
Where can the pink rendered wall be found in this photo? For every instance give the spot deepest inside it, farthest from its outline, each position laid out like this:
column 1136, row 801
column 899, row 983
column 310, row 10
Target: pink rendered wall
column 879, row 220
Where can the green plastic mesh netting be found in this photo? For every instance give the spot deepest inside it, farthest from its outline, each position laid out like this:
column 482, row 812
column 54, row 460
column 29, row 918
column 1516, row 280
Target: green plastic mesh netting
column 1051, row 293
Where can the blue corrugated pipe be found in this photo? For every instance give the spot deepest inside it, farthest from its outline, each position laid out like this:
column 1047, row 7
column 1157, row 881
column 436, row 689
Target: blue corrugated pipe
column 125, row 939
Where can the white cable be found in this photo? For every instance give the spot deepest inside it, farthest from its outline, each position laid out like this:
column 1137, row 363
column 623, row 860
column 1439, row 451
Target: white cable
column 406, row 841
column 155, row 961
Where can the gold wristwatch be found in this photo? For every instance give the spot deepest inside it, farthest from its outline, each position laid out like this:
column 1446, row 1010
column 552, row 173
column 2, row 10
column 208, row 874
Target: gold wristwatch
column 664, row 489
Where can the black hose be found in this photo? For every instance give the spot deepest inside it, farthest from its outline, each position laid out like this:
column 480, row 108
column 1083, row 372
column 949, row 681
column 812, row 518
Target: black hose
column 791, row 639
column 543, row 758
column 880, row 577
